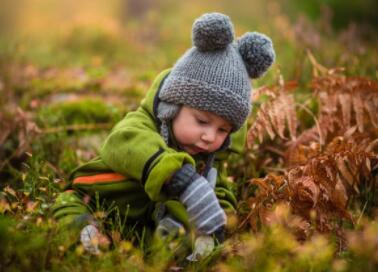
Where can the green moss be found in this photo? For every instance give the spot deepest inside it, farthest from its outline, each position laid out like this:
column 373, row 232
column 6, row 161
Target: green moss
column 83, row 111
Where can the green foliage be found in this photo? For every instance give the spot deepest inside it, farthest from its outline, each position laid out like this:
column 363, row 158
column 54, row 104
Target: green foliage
column 62, row 73
column 276, row 250
column 92, row 41
column 27, row 246
column 84, row 111
column 343, row 12
column 24, row 247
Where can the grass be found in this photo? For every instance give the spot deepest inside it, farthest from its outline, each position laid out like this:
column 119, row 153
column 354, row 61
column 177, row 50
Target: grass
column 76, row 78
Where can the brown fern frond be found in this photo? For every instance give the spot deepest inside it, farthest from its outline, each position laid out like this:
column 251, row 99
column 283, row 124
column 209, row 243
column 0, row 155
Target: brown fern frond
column 330, row 167
column 298, row 153
column 16, row 125
column 290, row 113
column 276, row 115
column 346, row 102
column 270, row 190
column 319, row 190
column 358, row 107
column 371, row 106
column 347, row 107
column 267, row 118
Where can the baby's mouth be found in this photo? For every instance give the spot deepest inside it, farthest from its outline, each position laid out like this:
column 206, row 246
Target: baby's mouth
column 193, row 149
column 198, row 149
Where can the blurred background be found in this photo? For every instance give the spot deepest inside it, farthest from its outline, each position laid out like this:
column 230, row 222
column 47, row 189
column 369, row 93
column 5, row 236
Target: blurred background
column 145, row 36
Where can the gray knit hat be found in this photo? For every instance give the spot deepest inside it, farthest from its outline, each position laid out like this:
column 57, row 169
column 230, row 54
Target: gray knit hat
column 214, row 74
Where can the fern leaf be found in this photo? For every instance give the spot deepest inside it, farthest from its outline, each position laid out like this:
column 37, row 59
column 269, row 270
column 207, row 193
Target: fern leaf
column 358, row 107
column 264, row 117
column 372, row 109
column 279, row 115
column 291, row 116
column 346, row 108
column 345, row 173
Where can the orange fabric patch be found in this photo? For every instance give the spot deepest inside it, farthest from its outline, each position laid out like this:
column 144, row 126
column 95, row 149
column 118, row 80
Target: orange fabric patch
column 100, row 178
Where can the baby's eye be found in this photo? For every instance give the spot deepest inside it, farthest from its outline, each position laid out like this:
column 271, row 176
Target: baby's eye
column 201, row 121
column 224, row 130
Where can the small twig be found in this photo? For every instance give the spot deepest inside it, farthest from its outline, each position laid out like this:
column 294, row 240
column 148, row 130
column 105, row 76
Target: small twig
column 321, row 141
column 277, row 169
column 241, row 225
column 362, row 212
column 274, row 150
column 316, row 66
column 54, row 168
column 7, row 160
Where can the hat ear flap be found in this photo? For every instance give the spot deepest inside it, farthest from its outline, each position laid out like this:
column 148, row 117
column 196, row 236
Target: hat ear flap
column 167, row 111
column 257, row 52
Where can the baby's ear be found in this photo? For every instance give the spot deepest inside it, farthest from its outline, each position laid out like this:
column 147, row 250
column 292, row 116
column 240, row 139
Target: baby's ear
column 257, row 52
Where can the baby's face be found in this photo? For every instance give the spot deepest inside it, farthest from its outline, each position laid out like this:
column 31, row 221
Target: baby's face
column 198, row 131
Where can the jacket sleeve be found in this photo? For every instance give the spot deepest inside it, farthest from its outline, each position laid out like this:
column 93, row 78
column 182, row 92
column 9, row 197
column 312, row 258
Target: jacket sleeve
column 136, row 150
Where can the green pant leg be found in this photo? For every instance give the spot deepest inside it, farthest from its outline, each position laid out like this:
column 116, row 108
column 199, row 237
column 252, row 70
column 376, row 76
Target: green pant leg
column 69, row 208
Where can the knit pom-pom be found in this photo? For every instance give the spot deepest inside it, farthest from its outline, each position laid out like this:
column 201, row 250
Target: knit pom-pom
column 257, row 52
column 212, row 31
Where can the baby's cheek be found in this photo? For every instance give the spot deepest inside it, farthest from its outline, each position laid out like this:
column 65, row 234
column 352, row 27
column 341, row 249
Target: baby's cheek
column 214, row 146
column 183, row 136
column 219, row 142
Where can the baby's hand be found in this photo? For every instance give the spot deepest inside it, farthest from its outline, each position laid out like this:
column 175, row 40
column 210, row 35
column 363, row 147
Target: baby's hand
column 198, row 196
column 91, row 239
column 203, row 246
column 212, row 177
column 201, row 203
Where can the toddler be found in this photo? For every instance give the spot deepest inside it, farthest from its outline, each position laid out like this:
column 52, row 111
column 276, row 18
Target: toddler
column 161, row 166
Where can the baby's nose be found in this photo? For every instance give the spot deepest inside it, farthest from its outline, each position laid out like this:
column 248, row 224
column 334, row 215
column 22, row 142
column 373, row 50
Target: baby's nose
column 209, row 135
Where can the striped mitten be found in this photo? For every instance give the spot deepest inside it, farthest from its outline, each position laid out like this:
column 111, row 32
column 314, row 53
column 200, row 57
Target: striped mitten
column 169, row 226
column 199, row 198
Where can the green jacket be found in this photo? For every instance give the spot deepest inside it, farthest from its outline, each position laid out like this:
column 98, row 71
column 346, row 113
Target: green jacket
column 136, row 150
